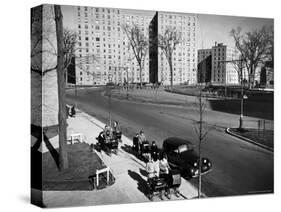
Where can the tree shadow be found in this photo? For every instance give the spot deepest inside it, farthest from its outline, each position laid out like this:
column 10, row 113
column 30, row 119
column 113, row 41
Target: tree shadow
column 142, row 184
column 143, row 172
column 37, row 131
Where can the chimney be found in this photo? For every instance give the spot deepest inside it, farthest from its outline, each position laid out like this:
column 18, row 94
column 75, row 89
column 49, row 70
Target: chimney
column 215, row 43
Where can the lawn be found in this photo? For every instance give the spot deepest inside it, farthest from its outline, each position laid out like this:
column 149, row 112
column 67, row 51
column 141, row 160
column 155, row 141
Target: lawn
column 187, row 96
column 80, row 175
column 264, row 137
column 158, row 96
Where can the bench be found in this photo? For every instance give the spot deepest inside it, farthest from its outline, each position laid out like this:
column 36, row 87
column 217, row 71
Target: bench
column 98, row 172
column 76, row 136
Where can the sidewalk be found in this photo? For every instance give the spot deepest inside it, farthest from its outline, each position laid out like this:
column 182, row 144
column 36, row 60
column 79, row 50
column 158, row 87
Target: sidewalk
column 126, row 168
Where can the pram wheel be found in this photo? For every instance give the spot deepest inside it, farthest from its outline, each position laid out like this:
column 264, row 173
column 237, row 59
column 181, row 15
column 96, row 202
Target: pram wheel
column 168, row 194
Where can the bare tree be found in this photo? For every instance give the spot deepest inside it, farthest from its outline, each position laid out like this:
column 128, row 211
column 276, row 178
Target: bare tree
column 40, row 37
column 63, row 51
column 254, row 48
column 202, row 129
column 63, row 159
column 139, row 44
column 167, row 43
column 69, row 46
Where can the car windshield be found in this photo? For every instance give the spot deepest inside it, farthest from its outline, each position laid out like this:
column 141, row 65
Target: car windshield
column 185, row 147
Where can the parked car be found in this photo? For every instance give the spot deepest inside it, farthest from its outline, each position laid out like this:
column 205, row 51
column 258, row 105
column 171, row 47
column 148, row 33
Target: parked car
column 181, row 155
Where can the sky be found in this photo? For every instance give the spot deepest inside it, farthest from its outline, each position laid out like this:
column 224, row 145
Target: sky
column 214, row 28
column 211, row 28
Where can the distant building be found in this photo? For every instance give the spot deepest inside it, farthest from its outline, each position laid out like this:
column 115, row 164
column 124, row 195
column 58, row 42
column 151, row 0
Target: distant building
column 100, row 36
column 71, row 73
column 184, row 57
column 153, row 49
column 203, row 54
column 266, row 75
column 204, row 70
column 223, row 72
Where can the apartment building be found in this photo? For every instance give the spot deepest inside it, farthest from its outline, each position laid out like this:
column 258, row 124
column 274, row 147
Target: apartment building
column 184, row 56
column 203, row 54
column 223, row 72
column 104, row 54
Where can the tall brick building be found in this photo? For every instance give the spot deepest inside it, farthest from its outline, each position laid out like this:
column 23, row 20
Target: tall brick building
column 222, row 72
column 100, row 34
column 184, row 57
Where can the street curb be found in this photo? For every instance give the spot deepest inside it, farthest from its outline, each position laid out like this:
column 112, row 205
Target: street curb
column 227, row 130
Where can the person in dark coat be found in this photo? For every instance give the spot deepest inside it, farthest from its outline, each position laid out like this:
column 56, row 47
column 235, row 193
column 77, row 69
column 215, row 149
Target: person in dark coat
column 136, row 142
column 142, row 139
column 73, row 112
column 154, row 150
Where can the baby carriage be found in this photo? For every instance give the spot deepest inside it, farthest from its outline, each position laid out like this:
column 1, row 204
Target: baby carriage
column 107, row 143
column 174, row 182
column 157, row 187
column 117, row 135
column 145, row 150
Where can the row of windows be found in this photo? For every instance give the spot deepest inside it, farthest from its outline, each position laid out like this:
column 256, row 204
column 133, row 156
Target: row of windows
column 99, row 9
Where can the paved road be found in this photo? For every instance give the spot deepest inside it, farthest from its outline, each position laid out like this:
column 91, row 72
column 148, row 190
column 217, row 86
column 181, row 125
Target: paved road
column 239, row 167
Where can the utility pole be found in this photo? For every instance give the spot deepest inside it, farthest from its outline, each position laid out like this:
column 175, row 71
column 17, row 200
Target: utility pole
column 108, row 86
column 127, row 82
column 200, row 140
column 242, row 102
column 75, row 94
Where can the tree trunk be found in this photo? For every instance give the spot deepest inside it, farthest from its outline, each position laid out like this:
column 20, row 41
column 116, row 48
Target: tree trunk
column 63, row 160
column 171, row 72
column 140, row 76
column 252, row 76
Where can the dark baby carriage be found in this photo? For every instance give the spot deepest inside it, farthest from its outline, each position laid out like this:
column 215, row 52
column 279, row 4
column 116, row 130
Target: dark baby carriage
column 107, row 143
column 157, row 187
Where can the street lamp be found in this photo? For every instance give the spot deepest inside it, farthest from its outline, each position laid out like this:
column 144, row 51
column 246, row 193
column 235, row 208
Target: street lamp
column 241, row 104
column 240, row 68
column 243, row 96
column 109, row 99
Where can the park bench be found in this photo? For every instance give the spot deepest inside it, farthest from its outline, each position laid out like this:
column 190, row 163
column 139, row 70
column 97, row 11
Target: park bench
column 76, row 136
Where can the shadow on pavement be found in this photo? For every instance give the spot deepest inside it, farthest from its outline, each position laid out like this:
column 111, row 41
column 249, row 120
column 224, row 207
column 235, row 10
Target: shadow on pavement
column 36, row 154
column 142, row 184
column 128, row 149
column 143, row 172
column 48, row 132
